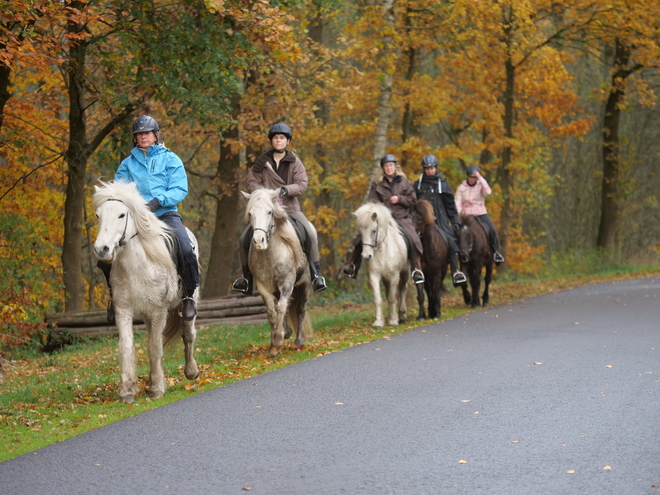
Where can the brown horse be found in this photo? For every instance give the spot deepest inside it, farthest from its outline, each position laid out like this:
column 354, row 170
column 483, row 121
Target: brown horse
column 474, row 254
column 434, row 260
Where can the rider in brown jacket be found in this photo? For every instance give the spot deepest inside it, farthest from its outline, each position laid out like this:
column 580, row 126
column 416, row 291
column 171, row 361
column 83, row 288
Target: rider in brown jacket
column 396, row 192
column 281, row 169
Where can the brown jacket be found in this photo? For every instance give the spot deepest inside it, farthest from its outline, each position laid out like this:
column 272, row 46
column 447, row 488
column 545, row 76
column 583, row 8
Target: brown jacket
column 403, row 211
column 262, row 175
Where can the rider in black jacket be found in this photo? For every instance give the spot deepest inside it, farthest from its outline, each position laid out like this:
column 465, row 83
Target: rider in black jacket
column 434, row 188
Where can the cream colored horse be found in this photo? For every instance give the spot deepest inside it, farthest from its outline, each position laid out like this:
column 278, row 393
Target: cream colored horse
column 384, row 250
column 280, row 269
column 144, row 283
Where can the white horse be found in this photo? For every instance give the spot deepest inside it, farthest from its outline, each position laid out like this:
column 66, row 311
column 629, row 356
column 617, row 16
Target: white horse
column 386, row 255
column 144, row 283
column 279, row 267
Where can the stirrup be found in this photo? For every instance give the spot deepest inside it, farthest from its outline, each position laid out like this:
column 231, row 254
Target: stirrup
column 318, row 284
column 188, row 309
column 459, row 278
column 241, row 284
column 498, row 258
column 349, row 270
column 417, row 276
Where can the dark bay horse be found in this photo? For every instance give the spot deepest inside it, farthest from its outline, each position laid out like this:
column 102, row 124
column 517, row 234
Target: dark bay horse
column 475, row 253
column 434, row 260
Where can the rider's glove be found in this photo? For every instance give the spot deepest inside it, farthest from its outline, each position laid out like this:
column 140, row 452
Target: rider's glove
column 283, row 191
column 153, row 205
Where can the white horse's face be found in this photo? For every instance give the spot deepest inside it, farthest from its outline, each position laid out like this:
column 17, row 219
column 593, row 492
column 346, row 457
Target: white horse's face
column 261, row 219
column 115, row 225
column 370, row 237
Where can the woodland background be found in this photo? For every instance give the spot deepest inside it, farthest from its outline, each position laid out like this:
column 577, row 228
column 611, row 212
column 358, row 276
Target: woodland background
column 556, row 100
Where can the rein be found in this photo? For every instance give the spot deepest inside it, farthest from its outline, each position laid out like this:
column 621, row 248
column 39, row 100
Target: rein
column 123, row 241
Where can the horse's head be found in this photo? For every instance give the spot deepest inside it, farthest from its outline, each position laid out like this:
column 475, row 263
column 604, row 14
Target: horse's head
column 372, row 223
column 122, row 213
column 465, row 241
column 115, row 226
column 263, row 211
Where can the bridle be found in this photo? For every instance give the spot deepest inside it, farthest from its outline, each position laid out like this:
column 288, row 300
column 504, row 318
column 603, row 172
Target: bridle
column 376, row 244
column 122, row 240
column 268, row 232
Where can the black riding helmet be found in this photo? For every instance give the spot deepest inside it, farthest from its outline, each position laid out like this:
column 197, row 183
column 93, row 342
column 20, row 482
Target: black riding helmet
column 472, row 169
column 388, row 158
column 429, row 161
column 145, row 124
column 280, row 129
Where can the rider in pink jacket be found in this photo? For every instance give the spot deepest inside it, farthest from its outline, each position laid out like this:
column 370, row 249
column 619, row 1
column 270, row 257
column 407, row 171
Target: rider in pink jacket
column 470, row 199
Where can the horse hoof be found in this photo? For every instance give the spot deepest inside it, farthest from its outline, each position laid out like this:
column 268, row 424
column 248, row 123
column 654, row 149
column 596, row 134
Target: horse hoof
column 421, row 318
column 377, row 324
column 156, row 395
column 274, row 351
column 393, row 323
column 127, row 399
column 192, row 375
column 402, row 320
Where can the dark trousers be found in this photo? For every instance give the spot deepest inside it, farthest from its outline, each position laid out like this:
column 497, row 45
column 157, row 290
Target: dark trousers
column 186, row 261
column 493, row 239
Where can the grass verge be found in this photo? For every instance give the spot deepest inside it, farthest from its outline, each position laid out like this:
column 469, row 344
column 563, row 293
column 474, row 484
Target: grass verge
column 46, row 398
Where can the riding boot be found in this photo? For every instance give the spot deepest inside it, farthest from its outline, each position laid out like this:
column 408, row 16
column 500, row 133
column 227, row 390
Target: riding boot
column 188, row 309
column 458, row 277
column 110, row 316
column 244, row 284
column 318, row 282
column 351, row 269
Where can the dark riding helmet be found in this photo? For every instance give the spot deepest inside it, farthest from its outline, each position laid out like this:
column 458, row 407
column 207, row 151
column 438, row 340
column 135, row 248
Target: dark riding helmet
column 388, row 158
column 280, row 129
column 472, row 169
column 429, row 161
column 145, row 124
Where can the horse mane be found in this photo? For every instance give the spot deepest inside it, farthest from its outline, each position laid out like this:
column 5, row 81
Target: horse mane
column 155, row 236
column 280, row 217
column 425, row 214
column 468, row 220
column 365, row 212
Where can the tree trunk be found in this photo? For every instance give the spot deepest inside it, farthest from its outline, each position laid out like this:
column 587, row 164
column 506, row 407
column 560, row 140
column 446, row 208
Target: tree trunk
column 77, row 164
column 5, row 73
column 608, row 210
column 504, row 173
column 223, row 244
column 384, row 98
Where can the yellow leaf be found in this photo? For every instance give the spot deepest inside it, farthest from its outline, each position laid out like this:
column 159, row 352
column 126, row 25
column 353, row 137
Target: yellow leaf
column 570, row 471
column 607, row 468
column 462, row 461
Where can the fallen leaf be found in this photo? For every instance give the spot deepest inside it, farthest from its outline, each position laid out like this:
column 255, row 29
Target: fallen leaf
column 465, row 400
column 339, row 403
column 607, row 468
column 247, row 488
column 576, row 323
column 515, row 441
column 570, row 471
column 608, row 366
column 462, row 461
column 537, row 362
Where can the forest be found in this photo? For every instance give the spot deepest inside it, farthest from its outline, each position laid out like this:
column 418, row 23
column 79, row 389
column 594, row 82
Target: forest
column 555, row 100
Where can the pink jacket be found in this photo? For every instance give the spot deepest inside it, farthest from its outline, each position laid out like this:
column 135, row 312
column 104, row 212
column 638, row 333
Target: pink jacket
column 471, row 200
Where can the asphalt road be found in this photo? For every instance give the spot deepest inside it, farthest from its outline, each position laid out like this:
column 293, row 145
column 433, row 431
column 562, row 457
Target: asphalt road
column 558, row 394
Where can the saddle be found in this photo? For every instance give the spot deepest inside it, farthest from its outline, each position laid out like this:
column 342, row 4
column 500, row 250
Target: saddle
column 410, row 245
column 484, row 226
column 305, row 240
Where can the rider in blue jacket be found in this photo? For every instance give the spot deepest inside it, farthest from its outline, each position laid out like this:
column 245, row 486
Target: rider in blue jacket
column 161, row 179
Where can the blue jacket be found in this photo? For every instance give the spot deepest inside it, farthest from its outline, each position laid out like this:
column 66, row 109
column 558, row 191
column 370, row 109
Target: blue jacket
column 160, row 175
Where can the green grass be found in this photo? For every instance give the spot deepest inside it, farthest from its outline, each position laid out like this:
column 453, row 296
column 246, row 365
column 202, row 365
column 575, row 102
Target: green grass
column 47, row 398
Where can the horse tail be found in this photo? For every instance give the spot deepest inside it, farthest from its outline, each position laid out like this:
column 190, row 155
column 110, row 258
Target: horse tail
column 173, row 330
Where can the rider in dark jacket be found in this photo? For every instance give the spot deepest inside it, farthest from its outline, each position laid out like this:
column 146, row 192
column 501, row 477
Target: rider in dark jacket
column 434, row 188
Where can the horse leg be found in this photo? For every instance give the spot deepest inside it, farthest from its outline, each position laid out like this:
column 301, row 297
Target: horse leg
column 191, row 370
column 128, row 387
column 434, row 289
column 402, row 291
column 467, row 297
column 155, row 327
column 420, row 302
column 277, row 328
column 374, row 279
column 391, row 292
column 489, row 273
column 475, row 283
column 300, row 312
column 271, row 311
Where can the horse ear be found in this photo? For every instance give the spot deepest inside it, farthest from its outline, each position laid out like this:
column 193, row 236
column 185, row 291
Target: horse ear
column 374, row 215
column 275, row 194
column 245, row 195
